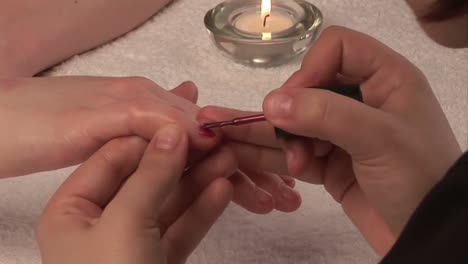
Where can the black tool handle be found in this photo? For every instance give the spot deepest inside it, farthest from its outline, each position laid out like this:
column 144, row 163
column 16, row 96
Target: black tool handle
column 351, row 91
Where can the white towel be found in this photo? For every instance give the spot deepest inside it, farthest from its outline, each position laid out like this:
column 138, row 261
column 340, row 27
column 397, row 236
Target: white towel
column 173, row 47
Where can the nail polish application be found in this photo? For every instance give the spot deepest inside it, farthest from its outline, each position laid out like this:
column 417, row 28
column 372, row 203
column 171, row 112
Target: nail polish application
column 235, row 121
column 351, row 91
column 207, row 132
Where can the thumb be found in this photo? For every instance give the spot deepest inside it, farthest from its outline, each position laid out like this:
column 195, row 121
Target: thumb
column 142, row 196
column 357, row 128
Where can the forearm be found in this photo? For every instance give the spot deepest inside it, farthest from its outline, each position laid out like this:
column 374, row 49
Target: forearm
column 37, row 34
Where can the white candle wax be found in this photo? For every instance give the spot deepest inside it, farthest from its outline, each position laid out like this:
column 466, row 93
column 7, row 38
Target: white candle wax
column 253, row 22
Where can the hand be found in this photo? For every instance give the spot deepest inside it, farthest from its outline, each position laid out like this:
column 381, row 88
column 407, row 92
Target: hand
column 50, row 123
column 386, row 154
column 109, row 210
column 261, row 184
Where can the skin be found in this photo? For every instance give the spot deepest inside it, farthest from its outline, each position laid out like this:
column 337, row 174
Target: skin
column 26, row 49
column 61, row 121
column 30, row 44
column 378, row 159
column 130, row 180
column 35, row 35
column 451, row 33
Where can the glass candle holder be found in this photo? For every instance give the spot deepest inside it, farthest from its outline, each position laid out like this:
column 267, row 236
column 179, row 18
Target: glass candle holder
column 238, row 28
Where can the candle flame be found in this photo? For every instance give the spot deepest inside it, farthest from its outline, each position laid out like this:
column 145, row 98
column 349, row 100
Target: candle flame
column 266, row 8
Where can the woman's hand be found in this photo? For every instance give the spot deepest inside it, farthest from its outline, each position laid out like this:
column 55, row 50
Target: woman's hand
column 50, row 123
column 386, row 154
column 117, row 207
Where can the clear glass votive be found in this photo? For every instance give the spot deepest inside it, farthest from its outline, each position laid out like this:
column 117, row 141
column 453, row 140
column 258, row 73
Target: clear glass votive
column 238, row 28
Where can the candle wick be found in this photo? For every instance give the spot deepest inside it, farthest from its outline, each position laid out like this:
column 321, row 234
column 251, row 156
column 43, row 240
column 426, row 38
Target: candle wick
column 265, row 19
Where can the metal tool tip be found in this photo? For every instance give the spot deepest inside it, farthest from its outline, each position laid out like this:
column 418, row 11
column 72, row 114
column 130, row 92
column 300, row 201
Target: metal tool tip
column 210, row 125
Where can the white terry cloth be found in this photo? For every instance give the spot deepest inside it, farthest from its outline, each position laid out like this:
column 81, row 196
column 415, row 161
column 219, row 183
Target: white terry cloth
column 173, row 47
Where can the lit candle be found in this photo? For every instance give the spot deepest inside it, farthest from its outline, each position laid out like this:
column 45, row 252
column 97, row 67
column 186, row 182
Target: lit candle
column 265, row 22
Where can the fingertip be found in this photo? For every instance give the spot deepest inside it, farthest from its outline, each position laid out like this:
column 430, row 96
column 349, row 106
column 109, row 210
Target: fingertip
column 296, row 156
column 169, row 138
column 290, row 200
column 222, row 190
column 208, row 137
column 277, row 105
column 188, row 90
column 289, row 181
column 263, row 203
column 209, row 112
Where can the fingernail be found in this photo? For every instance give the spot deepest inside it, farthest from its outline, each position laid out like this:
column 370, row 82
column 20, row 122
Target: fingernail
column 206, row 132
column 262, row 196
column 287, row 193
column 278, row 105
column 289, row 181
column 167, row 137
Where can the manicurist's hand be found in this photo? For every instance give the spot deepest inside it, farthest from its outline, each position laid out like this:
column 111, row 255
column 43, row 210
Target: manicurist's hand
column 122, row 205
column 378, row 158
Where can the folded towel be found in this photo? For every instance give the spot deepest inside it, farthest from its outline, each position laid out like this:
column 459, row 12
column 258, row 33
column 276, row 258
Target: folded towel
column 173, row 47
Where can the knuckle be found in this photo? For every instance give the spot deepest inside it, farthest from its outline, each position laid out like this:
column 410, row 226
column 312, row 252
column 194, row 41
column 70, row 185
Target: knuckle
column 175, row 113
column 142, row 113
column 111, row 155
column 138, row 107
column 128, row 86
column 138, row 81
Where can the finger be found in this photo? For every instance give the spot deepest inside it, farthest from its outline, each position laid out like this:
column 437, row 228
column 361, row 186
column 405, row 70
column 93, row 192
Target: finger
column 97, row 180
column 321, row 148
column 187, row 232
column 355, row 55
column 143, row 194
column 259, row 158
column 315, row 113
column 220, row 164
column 143, row 118
column 288, row 180
column 286, row 199
column 260, row 133
column 249, row 196
column 187, row 90
column 303, row 162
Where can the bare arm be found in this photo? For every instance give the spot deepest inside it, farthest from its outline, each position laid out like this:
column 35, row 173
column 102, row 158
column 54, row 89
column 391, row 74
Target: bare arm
column 37, row 34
